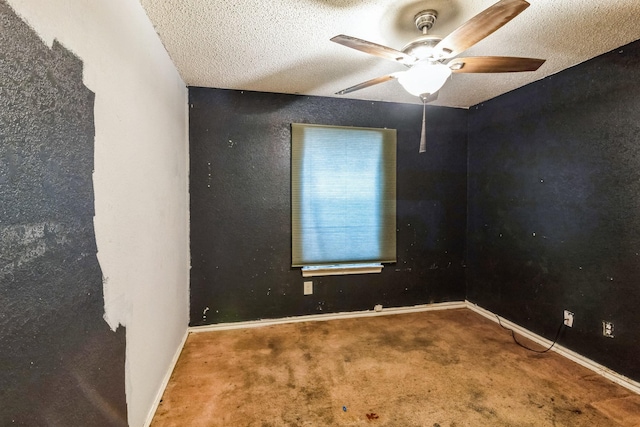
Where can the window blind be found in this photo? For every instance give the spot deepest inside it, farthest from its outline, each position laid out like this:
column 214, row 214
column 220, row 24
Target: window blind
column 343, row 182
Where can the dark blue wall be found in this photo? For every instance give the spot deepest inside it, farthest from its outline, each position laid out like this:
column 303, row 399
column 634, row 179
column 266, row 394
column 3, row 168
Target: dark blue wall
column 554, row 206
column 241, row 211
column 60, row 364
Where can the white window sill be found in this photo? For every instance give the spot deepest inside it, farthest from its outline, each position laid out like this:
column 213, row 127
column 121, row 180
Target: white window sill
column 340, row 269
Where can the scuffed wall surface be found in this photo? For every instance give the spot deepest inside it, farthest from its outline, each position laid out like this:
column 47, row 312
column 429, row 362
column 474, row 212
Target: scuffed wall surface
column 60, row 364
column 139, row 179
column 554, row 203
column 240, row 187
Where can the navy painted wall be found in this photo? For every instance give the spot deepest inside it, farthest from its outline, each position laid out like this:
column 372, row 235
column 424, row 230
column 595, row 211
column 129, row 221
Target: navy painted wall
column 554, row 206
column 59, row 362
column 241, row 211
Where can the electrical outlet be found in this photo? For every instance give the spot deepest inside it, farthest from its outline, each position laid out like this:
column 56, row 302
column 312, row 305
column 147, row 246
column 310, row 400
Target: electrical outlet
column 308, row 287
column 607, row 329
column 568, row 318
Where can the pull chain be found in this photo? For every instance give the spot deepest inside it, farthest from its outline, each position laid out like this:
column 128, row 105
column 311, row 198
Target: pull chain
column 423, row 134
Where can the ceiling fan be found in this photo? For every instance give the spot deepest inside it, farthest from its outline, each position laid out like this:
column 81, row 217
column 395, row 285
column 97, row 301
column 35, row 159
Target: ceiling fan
column 427, row 55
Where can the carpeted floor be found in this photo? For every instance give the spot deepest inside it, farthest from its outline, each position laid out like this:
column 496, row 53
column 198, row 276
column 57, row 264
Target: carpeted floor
column 436, row 369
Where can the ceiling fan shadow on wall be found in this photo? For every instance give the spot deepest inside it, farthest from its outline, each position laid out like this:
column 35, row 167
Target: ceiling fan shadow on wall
column 427, row 55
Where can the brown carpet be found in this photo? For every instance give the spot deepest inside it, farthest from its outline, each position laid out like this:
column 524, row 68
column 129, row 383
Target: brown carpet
column 437, row 369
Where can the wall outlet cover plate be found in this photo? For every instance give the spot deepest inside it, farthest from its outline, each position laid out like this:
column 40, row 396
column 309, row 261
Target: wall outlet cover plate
column 308, row 287
column 568, row 318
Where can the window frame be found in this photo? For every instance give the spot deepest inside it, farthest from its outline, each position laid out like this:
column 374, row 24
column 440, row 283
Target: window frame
column 386, row 192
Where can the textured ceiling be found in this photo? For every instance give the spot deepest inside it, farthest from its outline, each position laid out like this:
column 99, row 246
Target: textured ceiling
column 283, row 45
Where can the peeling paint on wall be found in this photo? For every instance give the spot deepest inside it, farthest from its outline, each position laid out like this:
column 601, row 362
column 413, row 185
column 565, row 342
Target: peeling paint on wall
column 139, row 174
column 59, row 362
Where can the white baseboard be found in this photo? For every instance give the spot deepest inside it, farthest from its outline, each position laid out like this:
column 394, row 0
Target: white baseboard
column 165, row 380
column 329, row 316
column 599, row 369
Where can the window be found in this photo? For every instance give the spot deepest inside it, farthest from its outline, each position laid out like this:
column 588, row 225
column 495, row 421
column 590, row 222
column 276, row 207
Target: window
column 343, row 198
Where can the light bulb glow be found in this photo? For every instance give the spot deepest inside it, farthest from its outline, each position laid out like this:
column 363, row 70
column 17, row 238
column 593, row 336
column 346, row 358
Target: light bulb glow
column 424, row 78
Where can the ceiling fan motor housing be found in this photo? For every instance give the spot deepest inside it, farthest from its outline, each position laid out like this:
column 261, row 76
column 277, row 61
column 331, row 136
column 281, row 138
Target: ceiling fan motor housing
column 422, row 47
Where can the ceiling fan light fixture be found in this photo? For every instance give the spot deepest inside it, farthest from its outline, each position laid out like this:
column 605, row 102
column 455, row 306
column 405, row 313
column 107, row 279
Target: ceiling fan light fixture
column 424, row 78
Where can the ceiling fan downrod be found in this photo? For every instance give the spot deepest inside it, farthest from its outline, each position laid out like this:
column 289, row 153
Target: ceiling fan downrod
column 425, row 19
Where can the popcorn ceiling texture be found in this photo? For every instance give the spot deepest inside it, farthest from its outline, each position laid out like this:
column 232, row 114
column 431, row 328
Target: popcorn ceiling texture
column 283, row 45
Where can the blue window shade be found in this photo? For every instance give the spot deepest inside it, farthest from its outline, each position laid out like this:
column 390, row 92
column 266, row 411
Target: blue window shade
column 343, row 195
